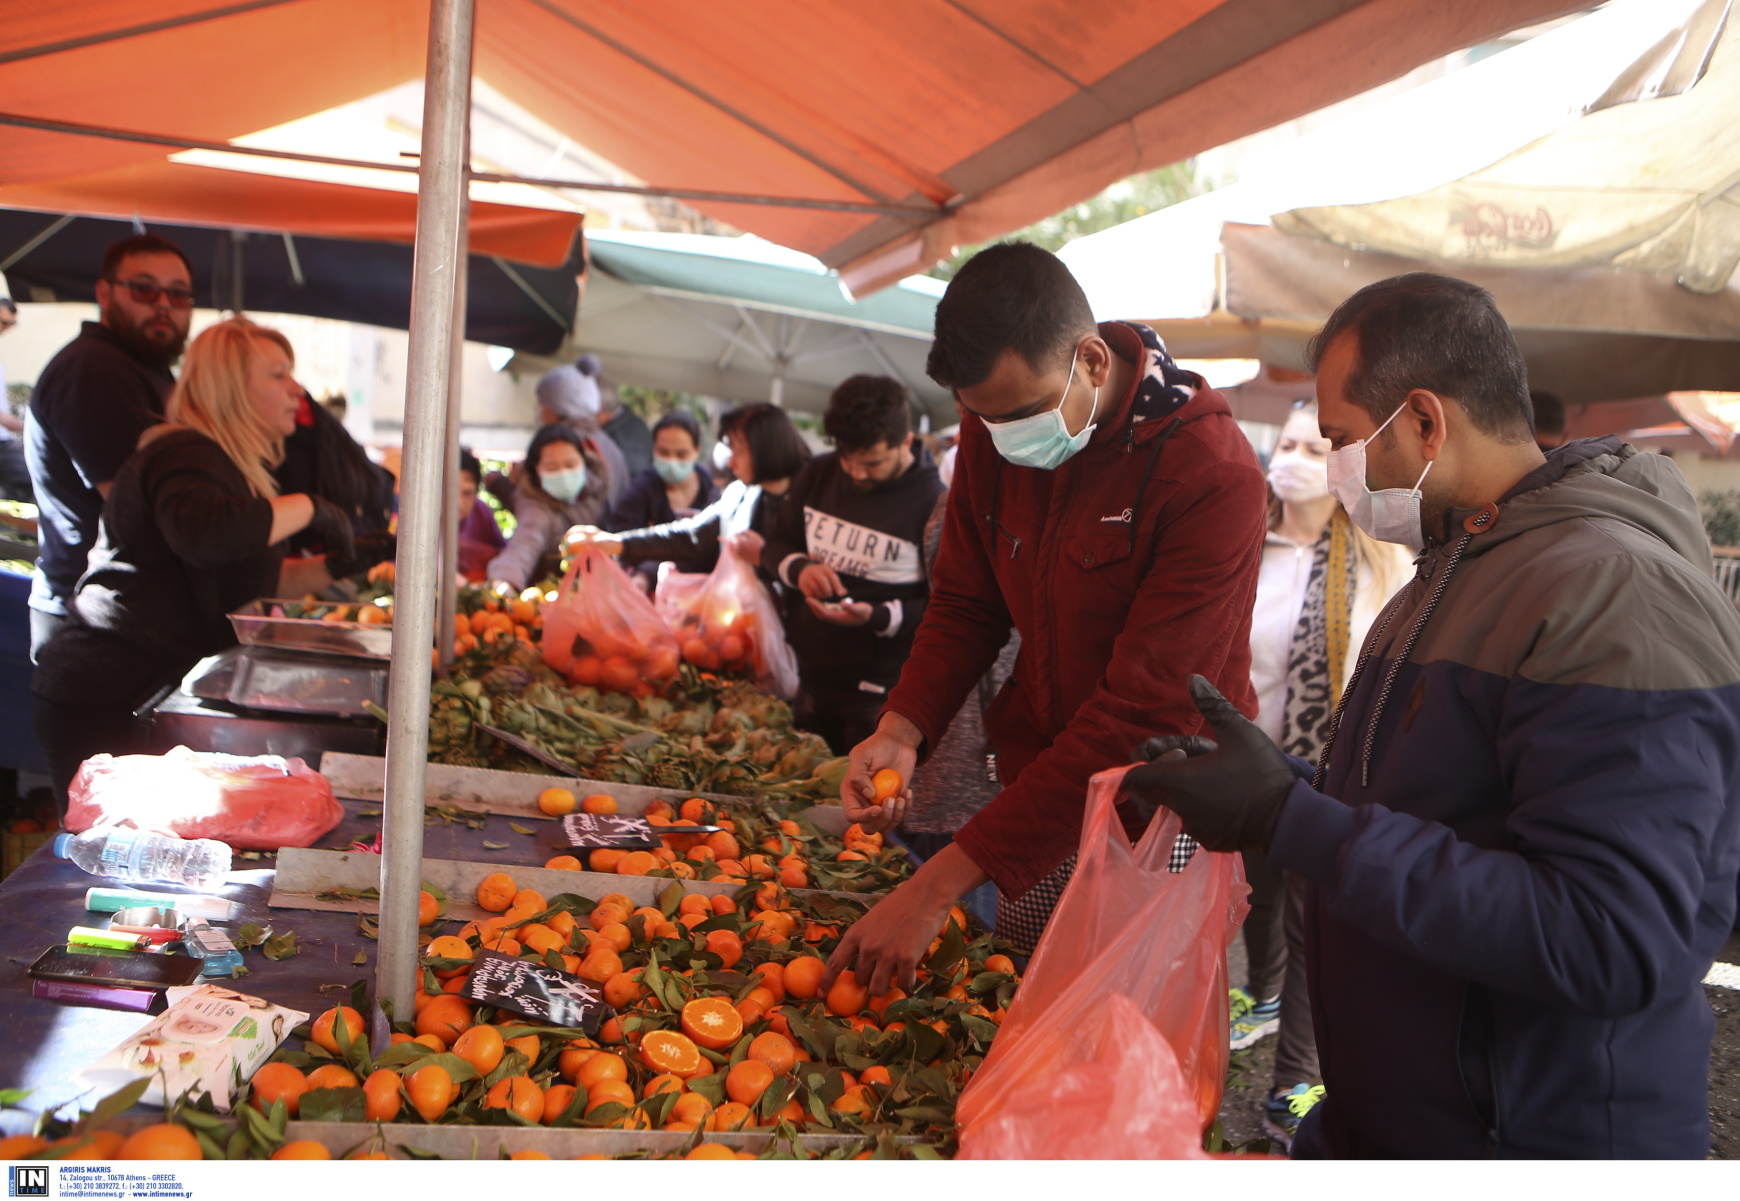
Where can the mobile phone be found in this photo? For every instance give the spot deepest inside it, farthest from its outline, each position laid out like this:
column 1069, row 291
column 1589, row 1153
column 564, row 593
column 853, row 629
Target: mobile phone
column 126, row 969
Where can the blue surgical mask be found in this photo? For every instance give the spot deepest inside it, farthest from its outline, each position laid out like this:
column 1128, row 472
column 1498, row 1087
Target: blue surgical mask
column 1043, row 440
column 673, row 471
column 565, row 486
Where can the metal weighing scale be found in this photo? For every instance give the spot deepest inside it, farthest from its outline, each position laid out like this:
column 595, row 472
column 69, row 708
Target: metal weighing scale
column 294, row 686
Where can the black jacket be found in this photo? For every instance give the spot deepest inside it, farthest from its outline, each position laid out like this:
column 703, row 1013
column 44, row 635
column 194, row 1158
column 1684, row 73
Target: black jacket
column 692, row 543
column 874, row 541
column 646, row 504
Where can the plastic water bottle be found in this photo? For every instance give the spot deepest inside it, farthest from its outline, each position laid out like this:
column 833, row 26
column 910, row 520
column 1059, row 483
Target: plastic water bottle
column 128, row 854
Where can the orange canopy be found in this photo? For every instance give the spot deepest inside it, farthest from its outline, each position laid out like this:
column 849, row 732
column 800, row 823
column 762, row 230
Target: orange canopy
column 981, row 115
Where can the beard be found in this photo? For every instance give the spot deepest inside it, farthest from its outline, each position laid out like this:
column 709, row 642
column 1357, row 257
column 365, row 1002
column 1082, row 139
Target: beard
column 158, row 342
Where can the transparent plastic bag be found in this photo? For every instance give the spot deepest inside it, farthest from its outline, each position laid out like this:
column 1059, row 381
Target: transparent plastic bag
column 602, row 629
column 726, row 619
column 1126, row 930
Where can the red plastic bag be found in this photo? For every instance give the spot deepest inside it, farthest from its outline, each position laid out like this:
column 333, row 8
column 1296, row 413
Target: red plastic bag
column 1126, row 930
column 726, row 619
column 603, row 631
column 257, row 804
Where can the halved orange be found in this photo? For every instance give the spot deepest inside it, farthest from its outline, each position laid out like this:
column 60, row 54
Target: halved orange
column 712, row 1022
column 669, row 1051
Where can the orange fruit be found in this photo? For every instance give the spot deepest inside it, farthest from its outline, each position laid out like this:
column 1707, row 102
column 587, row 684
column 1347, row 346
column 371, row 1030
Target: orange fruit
column 17, row 1146
column 600, row 965
column 353, row 1024
column 556, row 801
column 496, row 892
column 562, row 922
column 502, row 944
column 617, row 936
column 431, row 1091
column 855, row 1101
column 803, row 977
column 660, row 808
column 599, row 802
column 428, row 908
column 528, row 1153
column 751, row 1010
column 278, row 1080
column 434, row 1042
column 541, row 938
column 605, row 859
column 623, row 990
column 887, row 783
column 691, row 920
column 775, row 1050
column 573, row 1055
column 732, row 868
column 637, row 863
column 165, row 1140
column 381, row 1099
column 517, row 1094
column 879, row 1005
column 712, row 1022
column 711, row 1151
column 302, row 1148
column 694, row 903
column 600, row 1068
column 607, row 1091
column 556, row 1099
column 604, row 915
column 876, row 1075
column 733, row 1115
column 448, row 946
column 847, row 997
column 999, row 963
column 794, row 877
column 97, row 1144
column 722, row 905
column 692, row 1108
column 772, row 979
column 446, row 1017
column 563, row 863
column 723, row 845
column 746, row 1081
column 527, row 1045
column 665, row 1082
column 531, row 900
column 727, row 946
column 332, row 1075
column 669, row 1051
column 481, row 1047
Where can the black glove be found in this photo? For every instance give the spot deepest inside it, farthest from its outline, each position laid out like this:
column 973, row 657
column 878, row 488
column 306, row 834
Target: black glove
column 368, row 549
column 332, row 526
column 1229, row 791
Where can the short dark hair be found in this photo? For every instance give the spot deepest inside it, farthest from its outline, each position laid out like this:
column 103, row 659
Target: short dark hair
column 470, row 466
column 142, row 244
column 676, row 419
column 1012, row 296
column 775, row 448
column 1435, row 332
column 868, row 410
column 1549, row 413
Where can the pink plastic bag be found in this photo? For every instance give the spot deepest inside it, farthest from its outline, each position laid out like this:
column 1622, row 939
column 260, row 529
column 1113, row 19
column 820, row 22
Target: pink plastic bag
column 257, row 804
column 603, row 631
column 726, row 619
column 1126, row 930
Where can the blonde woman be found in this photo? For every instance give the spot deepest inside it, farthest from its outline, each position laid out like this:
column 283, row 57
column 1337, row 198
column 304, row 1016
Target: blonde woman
column 192, row 528
column 1321, row 585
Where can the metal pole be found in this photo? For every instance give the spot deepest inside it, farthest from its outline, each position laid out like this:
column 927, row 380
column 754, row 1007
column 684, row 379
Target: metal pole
column 450, row 515
column 434, row 273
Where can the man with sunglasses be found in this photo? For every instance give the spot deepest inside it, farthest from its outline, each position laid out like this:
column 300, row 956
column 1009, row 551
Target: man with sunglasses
column 91, row 403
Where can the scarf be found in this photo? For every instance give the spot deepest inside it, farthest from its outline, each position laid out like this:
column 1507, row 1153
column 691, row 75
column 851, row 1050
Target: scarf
column 1320, row 641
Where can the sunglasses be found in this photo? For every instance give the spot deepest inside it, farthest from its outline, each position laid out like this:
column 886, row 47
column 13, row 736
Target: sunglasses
column 145, row 292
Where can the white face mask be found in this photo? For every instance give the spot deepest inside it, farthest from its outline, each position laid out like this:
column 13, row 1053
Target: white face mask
column 1390, row 514
column 1298, row 478
column 1043, row 440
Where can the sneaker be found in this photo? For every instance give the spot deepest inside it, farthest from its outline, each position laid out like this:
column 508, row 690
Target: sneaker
column 1257, row 1022
column 1239, row 1002
column 1283, row 1111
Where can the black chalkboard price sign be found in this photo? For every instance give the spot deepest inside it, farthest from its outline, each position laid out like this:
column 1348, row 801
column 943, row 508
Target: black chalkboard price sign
column 534, row 990
column 594, row 830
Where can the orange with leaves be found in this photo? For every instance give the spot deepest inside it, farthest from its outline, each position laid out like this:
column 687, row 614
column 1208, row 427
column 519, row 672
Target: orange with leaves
column 278, row 1081
column 517, row 1094
column 774, row 1050
column 431, row 1091
column 353, row 1025
column 381, row 1095
column 496, row 892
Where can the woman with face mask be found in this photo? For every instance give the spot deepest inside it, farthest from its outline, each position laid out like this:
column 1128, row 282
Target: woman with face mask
column 1322, row 583
column 674, row 488
column 564, row 481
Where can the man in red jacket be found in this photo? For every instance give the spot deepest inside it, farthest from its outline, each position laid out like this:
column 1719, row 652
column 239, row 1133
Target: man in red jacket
column 1106, row 505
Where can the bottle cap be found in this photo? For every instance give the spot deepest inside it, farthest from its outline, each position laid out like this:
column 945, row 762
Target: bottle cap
column 62, row 846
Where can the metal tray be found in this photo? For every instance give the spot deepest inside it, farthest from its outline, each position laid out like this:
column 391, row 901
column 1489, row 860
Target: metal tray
column 304, row 684
column 255, row 627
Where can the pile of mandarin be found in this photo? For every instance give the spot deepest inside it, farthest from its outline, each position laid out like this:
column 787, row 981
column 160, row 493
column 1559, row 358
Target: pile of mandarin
column 718, row 1021
column 749, row 845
